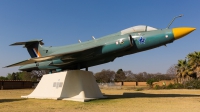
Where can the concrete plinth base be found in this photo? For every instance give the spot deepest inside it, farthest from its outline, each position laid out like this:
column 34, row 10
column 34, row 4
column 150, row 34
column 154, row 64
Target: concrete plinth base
column 76, row 85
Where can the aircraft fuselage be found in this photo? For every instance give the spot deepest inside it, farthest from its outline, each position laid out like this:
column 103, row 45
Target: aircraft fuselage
column 97, row 51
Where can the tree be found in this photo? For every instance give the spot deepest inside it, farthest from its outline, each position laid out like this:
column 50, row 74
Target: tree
column 190, row 67
column 3, row 78
column 36, row 75
column 9, row 76
column 129, row 76
column 13, row 76
column 24, row 75
column 183, row 70
column 105, row 76
column 159, row 77
column 172, row 70
column 194, row 62
column 120, row 75
column 140, row 77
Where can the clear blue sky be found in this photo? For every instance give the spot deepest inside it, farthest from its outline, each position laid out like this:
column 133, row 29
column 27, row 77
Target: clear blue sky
column 63, row 22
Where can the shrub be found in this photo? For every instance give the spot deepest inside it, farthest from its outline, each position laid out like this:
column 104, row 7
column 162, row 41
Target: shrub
column 139, row 89
column 178, row 86
column 158, row 87
column 195, row 84
column 175, row 86
column 170, row 86
column 150, row 82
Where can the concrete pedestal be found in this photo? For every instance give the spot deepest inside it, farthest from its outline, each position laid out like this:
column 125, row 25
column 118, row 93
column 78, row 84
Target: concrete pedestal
column 76, row 85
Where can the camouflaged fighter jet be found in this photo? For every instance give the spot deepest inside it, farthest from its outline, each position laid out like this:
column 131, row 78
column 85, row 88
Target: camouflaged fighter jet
column 98, row 51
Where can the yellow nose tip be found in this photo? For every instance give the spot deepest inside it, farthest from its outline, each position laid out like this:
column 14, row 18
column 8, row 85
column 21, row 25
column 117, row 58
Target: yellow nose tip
column 182, row 31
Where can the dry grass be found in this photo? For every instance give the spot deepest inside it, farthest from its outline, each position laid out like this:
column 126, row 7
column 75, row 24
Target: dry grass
column 127, row 100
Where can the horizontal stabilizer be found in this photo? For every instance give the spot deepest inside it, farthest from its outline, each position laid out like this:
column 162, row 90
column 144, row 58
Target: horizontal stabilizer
column 28, row 42
column 30, row 61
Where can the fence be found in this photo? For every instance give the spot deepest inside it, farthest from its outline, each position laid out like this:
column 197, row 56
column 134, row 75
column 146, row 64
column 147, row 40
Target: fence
column 120, row 84
column 12, row 84
column 114, row 85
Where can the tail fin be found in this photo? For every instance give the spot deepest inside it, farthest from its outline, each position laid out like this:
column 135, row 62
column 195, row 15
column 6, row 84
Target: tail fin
column 33, row 47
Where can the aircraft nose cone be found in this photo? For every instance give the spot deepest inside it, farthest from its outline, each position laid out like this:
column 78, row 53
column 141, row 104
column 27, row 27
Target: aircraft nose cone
column 182, row 31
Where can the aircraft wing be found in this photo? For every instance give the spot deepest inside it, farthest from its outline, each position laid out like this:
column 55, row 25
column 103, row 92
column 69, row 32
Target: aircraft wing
column 68, row 56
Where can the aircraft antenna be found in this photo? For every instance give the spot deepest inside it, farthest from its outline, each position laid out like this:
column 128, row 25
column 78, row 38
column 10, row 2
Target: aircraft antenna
column 173, row 20
column 93, row 37
column 79, row 41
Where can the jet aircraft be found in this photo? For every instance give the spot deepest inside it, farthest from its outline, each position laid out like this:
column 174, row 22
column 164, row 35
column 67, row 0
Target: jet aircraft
column 98, row 51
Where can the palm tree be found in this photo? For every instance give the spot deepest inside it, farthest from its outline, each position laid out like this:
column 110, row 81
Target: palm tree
column 194, row 62
column 183, row 70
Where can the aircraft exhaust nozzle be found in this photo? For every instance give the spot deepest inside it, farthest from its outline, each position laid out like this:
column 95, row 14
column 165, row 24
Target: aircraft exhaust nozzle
column 182, row 31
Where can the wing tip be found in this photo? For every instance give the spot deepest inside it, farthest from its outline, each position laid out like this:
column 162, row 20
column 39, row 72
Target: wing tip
column 7, row 66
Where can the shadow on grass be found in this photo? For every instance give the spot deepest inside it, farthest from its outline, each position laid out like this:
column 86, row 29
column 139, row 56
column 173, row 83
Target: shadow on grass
column 144, row 95
column 10, row 100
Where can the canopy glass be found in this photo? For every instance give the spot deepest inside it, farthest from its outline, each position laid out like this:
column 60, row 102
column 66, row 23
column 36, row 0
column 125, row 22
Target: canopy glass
column 139, row 28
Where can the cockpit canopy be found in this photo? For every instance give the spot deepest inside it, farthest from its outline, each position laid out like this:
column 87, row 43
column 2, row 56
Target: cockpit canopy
column 139, row 28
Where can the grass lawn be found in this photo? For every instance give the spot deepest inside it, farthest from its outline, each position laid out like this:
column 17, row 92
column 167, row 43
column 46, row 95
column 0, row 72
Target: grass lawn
column 119, row 100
